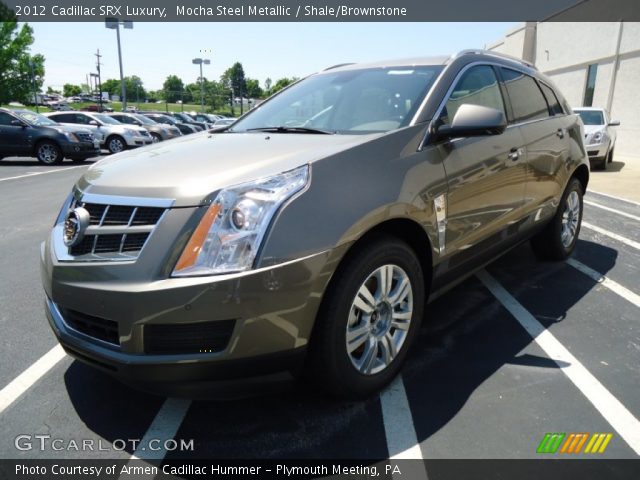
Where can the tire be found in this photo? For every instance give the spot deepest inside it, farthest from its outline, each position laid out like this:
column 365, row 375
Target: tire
column 610, row 156
column 49, row 153
column 156, row 137
column 558, row 239
column 376, row 335
column 116, row 144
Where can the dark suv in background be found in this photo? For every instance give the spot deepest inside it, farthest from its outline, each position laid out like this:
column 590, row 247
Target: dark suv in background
column 24, row 133
column 313, row 231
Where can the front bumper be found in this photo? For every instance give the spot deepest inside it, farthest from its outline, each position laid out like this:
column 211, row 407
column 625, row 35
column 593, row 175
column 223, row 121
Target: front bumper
column 273, row 312
column 137, row 140
column 80, row 149
column 597, row 151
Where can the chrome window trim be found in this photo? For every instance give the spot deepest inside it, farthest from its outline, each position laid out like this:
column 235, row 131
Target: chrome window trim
column 462, row 71
column 416, row 116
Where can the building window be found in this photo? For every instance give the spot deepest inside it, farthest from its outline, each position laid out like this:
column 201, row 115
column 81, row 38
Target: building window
column 591, row 85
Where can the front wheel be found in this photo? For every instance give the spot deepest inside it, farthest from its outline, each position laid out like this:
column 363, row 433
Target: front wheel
column 610, row 156
column 558, row 239
column 156, row 137
column 369, row 319
column 116, row 144
column 49, row 153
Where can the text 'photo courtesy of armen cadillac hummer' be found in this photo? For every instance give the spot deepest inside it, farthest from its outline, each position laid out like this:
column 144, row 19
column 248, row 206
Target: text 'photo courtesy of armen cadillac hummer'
column 310, row 234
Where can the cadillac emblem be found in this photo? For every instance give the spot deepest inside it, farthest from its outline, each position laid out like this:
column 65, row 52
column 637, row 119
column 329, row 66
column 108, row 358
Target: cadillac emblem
column 75, row 224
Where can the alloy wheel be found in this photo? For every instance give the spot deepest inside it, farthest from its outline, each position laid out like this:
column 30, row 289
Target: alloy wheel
column 570, row 219
column 379, row 319
column 48, row 153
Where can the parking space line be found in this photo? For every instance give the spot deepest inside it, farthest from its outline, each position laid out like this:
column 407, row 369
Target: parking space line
column 614, row 197
column 609, row 209
column 164, row 427
column 402, row 442
column 615, row 287
column 615, row 236
column 19, row 385
column 33, row 174
column 613, row 411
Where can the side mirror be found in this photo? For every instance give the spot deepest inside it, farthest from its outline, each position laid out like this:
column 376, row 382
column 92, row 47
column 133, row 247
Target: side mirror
column 94, row 123
column 614, row 123
column 18, row 123
column 474, row 121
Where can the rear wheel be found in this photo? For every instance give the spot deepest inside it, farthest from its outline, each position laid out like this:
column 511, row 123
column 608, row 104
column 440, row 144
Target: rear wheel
column 369, row 319
column 156, row 137
column 49, row 153
column 558, row 239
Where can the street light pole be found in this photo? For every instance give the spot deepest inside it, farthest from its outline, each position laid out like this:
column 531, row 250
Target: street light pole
column 114, row 24
column 33, row 86
column 200, row 61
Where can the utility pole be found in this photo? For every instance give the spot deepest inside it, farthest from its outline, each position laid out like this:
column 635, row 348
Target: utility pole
column 98, row 56
column 33, row 86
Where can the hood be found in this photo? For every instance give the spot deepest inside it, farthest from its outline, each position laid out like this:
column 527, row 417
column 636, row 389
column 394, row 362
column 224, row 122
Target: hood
column 190, row 168
column 71, row 128
column 590, row 129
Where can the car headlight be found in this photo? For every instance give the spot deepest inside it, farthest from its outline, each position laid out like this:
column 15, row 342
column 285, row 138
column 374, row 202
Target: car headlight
column 164, row 131
column 70, row 136
column 597, row 137
column 231, row 231
column 129, row 131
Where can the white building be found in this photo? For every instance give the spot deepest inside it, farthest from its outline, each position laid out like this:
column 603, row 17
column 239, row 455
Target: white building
column 593, row 64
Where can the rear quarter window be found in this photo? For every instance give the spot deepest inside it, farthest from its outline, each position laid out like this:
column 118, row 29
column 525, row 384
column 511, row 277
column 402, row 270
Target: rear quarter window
column 554, row 105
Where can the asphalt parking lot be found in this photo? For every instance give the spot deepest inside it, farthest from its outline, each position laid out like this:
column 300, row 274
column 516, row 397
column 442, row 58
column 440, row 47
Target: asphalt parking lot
column 476, row 385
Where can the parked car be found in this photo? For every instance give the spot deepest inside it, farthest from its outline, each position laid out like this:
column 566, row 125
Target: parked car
column 157, row 131
column 112, row 135
column 205, row 118
column 97, row 108
column 183, row 117
column 224, row 121
column 24, row 133
column 184, row 128
column 315, row 229
column 599, row 136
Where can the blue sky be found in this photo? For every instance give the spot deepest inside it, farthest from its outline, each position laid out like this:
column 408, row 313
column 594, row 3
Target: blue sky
column 155, row 50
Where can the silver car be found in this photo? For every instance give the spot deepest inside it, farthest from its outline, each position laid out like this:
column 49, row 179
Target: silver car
column 158, row 131
column 599, row 137
column 112, row 135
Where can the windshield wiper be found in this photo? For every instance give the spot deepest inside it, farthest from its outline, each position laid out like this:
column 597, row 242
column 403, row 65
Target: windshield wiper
column 283, row 129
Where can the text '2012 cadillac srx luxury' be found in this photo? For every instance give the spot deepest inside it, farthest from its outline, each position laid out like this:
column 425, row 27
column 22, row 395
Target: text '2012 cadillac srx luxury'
column 313, row 231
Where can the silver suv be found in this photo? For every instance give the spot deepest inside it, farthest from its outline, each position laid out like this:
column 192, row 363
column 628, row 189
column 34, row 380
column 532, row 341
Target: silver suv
column 312, row 232
column 599, row 136
column 112, row 135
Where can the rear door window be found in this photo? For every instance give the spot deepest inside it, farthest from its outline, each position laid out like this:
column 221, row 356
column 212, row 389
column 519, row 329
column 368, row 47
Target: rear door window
column 527, row 100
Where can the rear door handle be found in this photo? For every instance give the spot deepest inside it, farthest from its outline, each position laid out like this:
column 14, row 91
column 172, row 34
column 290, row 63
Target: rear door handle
column 514, row 154
column 560, row 132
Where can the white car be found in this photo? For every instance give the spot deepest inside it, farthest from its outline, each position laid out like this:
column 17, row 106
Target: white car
column 599, row 137
column 113, row 135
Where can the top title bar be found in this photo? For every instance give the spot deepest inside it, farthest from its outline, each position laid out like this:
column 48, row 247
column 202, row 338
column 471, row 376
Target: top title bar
column 318, row 10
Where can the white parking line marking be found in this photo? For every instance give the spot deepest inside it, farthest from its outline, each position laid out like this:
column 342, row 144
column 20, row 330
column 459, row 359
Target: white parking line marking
column 615, row 287
column 402, row 442
column 615, row 198
column 614, row 412
column 615, row 236
column 164, row 427
column 29, row 377
column 617, row 212
column 33, row 174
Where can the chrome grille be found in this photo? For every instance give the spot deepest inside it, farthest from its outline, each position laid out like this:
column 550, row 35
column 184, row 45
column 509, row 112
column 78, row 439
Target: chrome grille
column 115, row 232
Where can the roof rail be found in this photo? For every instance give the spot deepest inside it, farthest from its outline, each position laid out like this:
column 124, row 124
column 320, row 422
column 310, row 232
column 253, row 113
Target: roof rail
column 338, row 66
column 491, row 53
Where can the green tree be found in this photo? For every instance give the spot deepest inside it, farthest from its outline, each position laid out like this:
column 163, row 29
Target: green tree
column 111, row 86
column 19, row 70
column 233, row 78
column 173, row 89
column 253, row 89
column 135, row 89
column 69, row 90
column 281, row 83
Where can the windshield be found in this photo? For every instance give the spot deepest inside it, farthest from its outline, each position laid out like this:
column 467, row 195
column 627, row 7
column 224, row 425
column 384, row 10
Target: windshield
column 349, row 102
column 591, row 117
column 36, row 119
column 183, row 117
column 144, row 120
column 164, row 119
column 107, row 120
